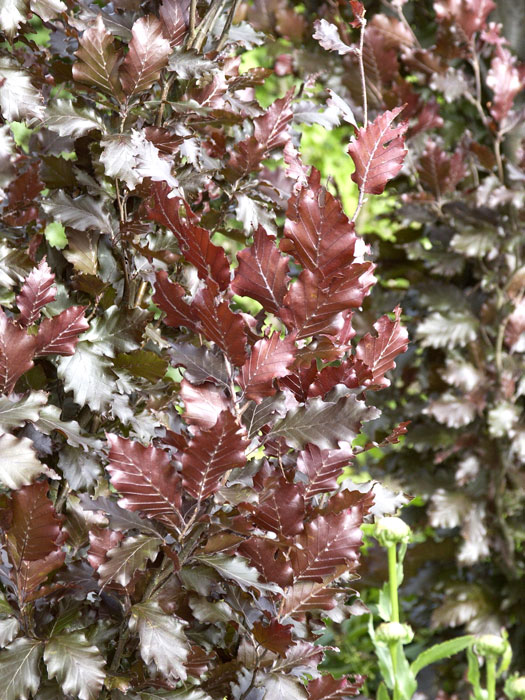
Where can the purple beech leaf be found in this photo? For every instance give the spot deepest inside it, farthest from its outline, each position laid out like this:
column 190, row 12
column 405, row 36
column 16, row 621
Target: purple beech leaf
column 19, row 98
column 281, row 509
column 175, row 18
column 327, row 34
column 37, row 291
column 505, row 82
column 59, row 335
column 203, row 404
column 211, row 454
column 262, row 272
column 322, row 467
column 468, row 15
column 194, row 241
column 326, row 543
column 306, row 596
column 77, row 665
column 268, row 560
column 439, row 171
column 324, row 423
column 256, row 416
column 201, row 364
column 162, row 639
column 19, row 669
column 220, row 324
column 13, row 414
column 98, row 60
column 329, row 688
column 237, row 569
column 101, row 540
column 130, row 556
column 275, row 637
column 169, row 296
column 378, row 152
column 146, row 479
column 378, row 353
column 19, row 465
column 66, row 119
column 147, row 56
column 119, row 518
column 270, row 359
column 17, row 349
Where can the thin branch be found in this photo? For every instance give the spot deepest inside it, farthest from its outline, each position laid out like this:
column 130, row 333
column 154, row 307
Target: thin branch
column 228, row 24
column 193, row 20
column 362, row 72
column 207, row 25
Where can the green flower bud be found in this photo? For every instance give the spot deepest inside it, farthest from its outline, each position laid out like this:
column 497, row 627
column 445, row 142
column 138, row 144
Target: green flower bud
column 392, row 531
column 389, row 632
column 491, row 645
column 515, row 688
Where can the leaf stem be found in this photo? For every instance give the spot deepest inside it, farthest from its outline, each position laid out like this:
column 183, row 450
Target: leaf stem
column 193, row 21
column 392, row 576
column 393, row 655
column 491, row 678
column 362, row 72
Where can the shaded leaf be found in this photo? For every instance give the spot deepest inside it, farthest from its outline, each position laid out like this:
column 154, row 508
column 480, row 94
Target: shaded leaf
column 211, row 454
column 19, row 672
column 201, row 364
column 262, row 272
column 162, row 639
column 131, row 555
column 81, row 213
column 87, row 376
column 37, row 291
column 9, row 628
column 456, row 328
column 116, row 331
column 14, row 414
column 378, row 152
column 49, row 421
column 324, row 423
column 148, row 54
column 59, row 335
column 146, row 479
column 64, row 118
column 237, row 569
column 76, row 664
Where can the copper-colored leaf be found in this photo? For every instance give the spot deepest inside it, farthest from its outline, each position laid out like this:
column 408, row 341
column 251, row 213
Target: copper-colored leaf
column 194, row 241
column 169, row 297
column 148, row 54
column 467, row 15
column 322, row 467
column 175, row 18
column 59, row 335
column 211, row 454
column 505, row 81
column 203, row 404
column 274, row 636
column 262, row 272
column 329, row 688
column 98, row 59
column 101, row 540
column 268, row 560
column 378, row 353
column 439, row 171
column 378, row 152
column 281, row 509
column 270, row 358
column 17, row 349
column 37, row 291
column 146, row 479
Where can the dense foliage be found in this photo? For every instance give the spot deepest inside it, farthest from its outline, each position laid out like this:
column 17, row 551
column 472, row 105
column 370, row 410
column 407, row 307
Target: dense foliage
column 183, row 365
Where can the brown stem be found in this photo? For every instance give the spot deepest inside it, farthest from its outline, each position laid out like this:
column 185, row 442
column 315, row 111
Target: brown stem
column 228, row 24
column 193, row 20
column 164, row 98
column 362, row 72
column 206, row 25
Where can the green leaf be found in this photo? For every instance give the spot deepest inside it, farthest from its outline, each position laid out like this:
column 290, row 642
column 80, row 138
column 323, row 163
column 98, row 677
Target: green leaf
column 19, row 673
column 55, row 235
column 162, row 639
column 405, row 678
column 14, row 414
column 382, row 693
column 237, row 569
column 441, row 651
column 76, row 664
column 130, row 556
column 473, row 674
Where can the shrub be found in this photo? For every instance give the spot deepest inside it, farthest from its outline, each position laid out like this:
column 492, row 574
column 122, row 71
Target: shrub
column 181, row 378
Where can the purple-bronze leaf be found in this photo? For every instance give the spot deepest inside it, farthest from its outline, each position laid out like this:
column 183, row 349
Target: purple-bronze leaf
column 281, row 509
column 262, row 272
column 211, row 454
column 98, row 59
column 146, row 479
column 268, row 560
column 505, row 81
column 330, row 688
column 169, row 296
column 270, row 359
column 378, row 152
column 37, row 291
column 203, row 404
column 175, row 18
column 378, row 353
column 59, row 335
column 322, row 467
column 147, row 56
column 274, row 636
column 17, row 349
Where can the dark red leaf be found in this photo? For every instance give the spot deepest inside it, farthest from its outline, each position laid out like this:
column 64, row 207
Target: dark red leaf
column 146, row 479
column 17, row 349
column 378, row 353
column 175, row 18
column 322, row 467
column 101, row 540
column 165, row 140
column 32, row 573
column 330, row 688
column 211, row 454
column 59, row 335
column 359, row 13
column 262, row 272
column 317, row 231
column 306, row 596
column 268, row 560
column 220, row 325
column 37, row 291
column 270, row 358
column 203, row 404
column 299, row 381
column 378, row 152
column 274, row 636
column 281, row 509
column 169, row 297
column 469, row 15
column 148, row 54
column 394, row 436
column 194, row 241
column 505, row 82
column 326, row 543
column 35, row 527
column 439, row 171
column 348, row 499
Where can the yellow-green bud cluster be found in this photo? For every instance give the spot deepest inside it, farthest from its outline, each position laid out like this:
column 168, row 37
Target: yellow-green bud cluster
column 515, row 688
column 491, row 645
column 391, row 531
column 390, row 632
